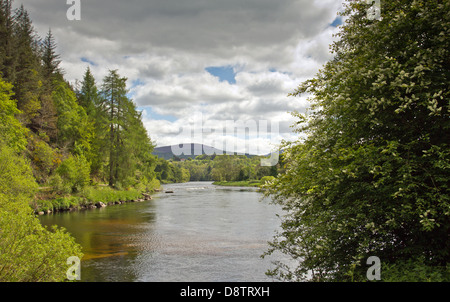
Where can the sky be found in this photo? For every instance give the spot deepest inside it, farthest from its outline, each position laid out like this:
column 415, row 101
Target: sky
column 200, row 69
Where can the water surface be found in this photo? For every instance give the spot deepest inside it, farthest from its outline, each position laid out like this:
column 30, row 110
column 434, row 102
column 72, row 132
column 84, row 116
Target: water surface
column 201, row 232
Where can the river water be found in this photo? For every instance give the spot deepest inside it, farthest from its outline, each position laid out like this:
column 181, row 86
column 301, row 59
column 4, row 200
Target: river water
column 198, row 233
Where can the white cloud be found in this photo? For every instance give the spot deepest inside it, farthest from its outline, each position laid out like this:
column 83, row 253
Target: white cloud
column 163, row 48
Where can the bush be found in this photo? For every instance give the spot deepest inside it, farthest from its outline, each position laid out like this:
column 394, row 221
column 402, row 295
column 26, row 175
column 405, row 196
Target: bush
column 414, row 270
column 28, row 251
column 74, row 171
column 16, row 176
column 108, row 194
column 265, row 179
column 58, row 185
column 44, row 159
column 45, row 205
column 38, row 254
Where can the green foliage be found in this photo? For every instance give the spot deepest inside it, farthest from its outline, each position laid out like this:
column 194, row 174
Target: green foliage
column 44, row 159
column 266, row 180
column 16, row 178
column 127, row 147
column 52, row 134
column 50, row 58
column 88, row 96
column 415, row 270
column 242, row 183
column 75, row 129
column 107, row 194
column 171, row 172
column 28, row 251
column 74, row 172
column 227, row 168
column 11, row 131
column 371, row 178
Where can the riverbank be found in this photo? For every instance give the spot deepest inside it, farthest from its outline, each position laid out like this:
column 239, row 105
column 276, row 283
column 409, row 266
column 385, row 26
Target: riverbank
column 244, row 183
column 92, row 197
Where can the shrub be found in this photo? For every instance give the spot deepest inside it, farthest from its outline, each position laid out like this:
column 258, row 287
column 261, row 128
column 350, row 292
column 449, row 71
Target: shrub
column 266, row 179
column 58, row 185
column 74, row 172
column 414, row 270
column 28, row 251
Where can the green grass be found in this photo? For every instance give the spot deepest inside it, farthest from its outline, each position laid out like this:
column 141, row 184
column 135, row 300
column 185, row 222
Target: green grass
column 244, row 183
column 89, row 196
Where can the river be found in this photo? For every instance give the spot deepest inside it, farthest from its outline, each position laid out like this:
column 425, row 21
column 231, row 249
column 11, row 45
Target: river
column 198, row 233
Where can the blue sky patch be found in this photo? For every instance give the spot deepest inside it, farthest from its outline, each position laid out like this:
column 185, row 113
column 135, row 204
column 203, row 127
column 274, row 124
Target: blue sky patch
column 86, row 60
column 152, row 115
column 224, row 73
column 337, row 22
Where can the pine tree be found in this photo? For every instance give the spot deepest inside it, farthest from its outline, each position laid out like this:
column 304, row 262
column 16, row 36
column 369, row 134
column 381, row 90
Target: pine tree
column 28, row 80
column 88, row 96
column 50, row 58
column 7, row 59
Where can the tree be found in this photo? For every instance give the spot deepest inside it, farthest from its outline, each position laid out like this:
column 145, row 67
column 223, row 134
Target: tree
column 7, row 59
column 27, row 81
column 90, row 99
column 75, row 129
column 12, row 133
column 88, row 96
column 128, row 144
column 114, row 94
column 28, row 251
column 371, row 178
column 50, row 58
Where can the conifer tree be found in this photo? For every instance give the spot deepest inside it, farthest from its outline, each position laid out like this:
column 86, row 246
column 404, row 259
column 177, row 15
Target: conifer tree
column 7, row 59
column 27, row 83
column 114, row 93
column 50, row 58
column 88, row 96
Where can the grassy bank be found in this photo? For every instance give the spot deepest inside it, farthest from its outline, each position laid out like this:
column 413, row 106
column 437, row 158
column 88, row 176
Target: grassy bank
column 244, row 183
column 90, row 197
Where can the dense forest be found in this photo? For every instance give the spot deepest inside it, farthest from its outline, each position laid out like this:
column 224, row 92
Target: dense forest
column 226, row 168
column 71, row 136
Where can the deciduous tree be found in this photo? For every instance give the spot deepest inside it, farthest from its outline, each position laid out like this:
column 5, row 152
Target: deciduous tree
column 371, row 178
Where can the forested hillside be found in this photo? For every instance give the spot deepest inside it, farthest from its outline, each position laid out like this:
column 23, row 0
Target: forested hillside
column 71, row 136
column 56, row 143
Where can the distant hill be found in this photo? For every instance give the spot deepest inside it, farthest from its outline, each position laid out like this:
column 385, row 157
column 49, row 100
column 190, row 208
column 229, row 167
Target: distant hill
column 192, row 151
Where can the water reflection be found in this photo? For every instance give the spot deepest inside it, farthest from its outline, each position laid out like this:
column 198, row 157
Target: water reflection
column 199, row 232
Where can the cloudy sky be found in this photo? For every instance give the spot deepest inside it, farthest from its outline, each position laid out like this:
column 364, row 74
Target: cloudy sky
column 199, row 63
